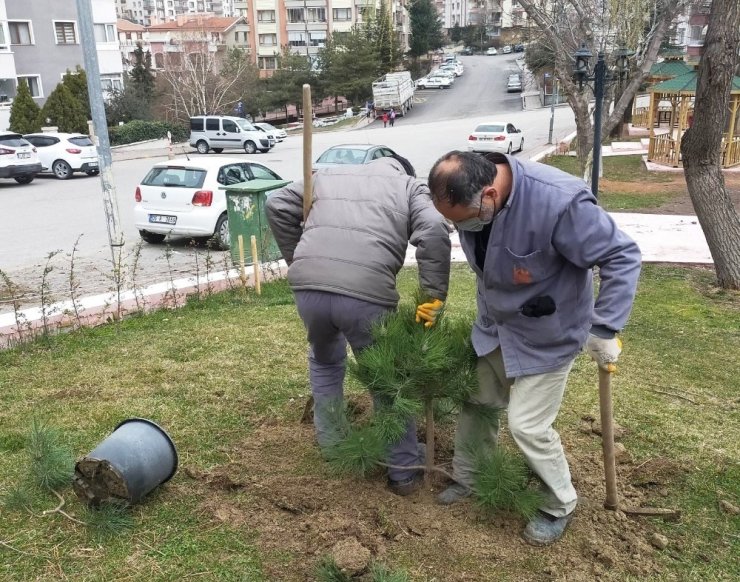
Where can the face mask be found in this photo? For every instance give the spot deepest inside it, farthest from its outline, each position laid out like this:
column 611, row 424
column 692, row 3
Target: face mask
column 476, row 223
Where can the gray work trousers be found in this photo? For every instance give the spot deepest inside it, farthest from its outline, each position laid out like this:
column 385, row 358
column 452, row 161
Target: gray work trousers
column 533, row 403
column 332, row 321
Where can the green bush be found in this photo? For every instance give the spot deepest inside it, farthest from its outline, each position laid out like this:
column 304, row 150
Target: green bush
column 137, row 130
column 65, row 111
column 24, row 113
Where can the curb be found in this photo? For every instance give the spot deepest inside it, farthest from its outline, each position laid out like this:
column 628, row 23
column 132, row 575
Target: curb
column 549, row 150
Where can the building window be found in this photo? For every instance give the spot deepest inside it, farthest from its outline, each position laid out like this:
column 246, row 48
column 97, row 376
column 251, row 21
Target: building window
column 297, row 38
column 317, row 14
column 106, row 33
column 295, row 14
column 159, row 60
column 66, row 32
column 697, row 35
column 342, row 14
column 317, row 38
column 268, row 63
column 34, row 84
column 268, row 39
column 265, row 16
column 20, row 33
column 111, row 83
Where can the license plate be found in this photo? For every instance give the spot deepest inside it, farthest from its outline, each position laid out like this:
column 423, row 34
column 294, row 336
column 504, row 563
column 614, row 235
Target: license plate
column 23, row 156
column 484, row 138
column 92, row 164
column 162, row 219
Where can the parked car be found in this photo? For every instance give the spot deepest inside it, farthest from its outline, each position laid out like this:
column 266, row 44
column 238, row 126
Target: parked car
column 506, row 49
column 468, row 50
column 518, row 48
column 444, row 74
column 514, row 84
column 18, row 158
column 217, row 133
column 351, row 154
column 491, row 51
column 280, row 134
column 63, row 154
column 183, row 197
column 455, row 67
column 434, row 83
column 496, row 136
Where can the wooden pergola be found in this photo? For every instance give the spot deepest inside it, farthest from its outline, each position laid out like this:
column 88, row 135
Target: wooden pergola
column 673, row 66
column 665, row 145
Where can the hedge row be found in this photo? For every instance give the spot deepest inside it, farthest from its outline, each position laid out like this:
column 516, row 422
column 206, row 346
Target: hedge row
column 135, row 131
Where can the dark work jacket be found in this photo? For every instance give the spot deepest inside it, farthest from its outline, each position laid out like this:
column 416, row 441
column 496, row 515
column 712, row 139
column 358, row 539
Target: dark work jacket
column 535, row 290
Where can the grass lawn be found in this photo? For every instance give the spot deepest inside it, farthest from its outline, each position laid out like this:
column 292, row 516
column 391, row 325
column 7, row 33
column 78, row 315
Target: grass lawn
column 253, row 500
column 627, row 184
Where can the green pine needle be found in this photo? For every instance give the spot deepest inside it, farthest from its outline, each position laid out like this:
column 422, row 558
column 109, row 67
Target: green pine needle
column 18, row 498
column 328, row 571
column 501, row 482
column 51, row 461
column 381, row 573
column 357, row 454
column 108, row 521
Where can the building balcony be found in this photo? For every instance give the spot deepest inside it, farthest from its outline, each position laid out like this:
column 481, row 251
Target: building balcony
column 7, row 65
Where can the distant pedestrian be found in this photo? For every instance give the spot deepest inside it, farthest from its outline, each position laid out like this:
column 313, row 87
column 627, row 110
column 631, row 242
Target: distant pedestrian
column 393, row 117
column 385, row 119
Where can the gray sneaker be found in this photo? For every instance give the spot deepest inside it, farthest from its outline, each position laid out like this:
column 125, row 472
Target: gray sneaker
column 454, row 493
column 545, row 529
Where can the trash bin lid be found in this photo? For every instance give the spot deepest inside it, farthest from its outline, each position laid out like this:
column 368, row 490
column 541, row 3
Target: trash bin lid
column 255, row 186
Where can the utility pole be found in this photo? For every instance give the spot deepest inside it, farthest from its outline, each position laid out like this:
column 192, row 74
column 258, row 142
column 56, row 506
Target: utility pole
column 599, row 81
column 97, row 108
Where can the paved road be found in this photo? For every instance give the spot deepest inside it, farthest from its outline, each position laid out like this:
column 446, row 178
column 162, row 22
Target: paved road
column 49, row 214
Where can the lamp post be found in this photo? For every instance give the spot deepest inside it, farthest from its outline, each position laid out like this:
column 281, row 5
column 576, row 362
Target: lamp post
column 599, row 77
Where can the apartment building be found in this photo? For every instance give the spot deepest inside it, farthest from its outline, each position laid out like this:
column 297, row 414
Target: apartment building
column 170, row 42
column 502, row 18
column 130, row 34
column 456, row 13
column 148, row 12
column 40, row 41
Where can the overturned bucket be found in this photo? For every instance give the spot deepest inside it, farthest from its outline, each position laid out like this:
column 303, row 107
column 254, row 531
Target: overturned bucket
column 136, row 458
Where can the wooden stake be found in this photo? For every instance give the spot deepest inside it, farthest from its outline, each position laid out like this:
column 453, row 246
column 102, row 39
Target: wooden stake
column 256, row 265
column 607, row 439
column 307, row 151
column 242, row 273
column 429, row 408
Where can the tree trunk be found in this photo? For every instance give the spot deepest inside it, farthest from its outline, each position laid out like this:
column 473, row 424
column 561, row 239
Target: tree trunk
column 429, row 462
column 701, row 146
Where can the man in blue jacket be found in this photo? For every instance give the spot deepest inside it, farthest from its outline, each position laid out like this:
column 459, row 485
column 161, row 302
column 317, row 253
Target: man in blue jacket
column 533, row 234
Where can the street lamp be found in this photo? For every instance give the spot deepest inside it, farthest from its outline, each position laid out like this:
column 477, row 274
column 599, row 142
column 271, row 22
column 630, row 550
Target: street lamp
column 599, row 77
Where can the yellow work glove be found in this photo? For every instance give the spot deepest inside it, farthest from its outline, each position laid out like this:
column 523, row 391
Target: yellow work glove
column 428, row 312
column 605, row 352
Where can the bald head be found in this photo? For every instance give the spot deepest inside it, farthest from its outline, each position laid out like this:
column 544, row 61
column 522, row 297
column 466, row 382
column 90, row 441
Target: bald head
column 457, row 178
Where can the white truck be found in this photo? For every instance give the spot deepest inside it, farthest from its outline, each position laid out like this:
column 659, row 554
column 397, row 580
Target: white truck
column 393, row 91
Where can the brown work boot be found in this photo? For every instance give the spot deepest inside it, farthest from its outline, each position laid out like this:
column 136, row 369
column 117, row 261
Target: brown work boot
column 406, row 486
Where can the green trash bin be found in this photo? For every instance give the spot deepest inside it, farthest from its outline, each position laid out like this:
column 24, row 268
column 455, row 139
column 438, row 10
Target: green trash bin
column 245, row 207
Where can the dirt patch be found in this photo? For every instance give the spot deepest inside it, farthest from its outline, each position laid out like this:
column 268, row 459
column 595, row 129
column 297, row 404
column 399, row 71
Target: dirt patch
column 677, row 205
column 278, row 486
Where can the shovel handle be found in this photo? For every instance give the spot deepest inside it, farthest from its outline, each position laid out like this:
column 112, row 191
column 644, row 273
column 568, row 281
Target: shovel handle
column 607, row 439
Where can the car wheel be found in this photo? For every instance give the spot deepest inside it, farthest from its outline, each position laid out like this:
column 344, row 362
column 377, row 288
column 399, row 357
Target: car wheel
column 521, row 145
column 24, row 179
column 62, row 170
column 92, row 172
column 152, row 238
column 218, row 150
column 249, row 147
column 202, row 147
column 508, row 151
column 221, row 238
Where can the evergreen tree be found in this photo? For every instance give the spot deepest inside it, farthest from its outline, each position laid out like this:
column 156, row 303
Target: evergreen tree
column 384, row 39
column 286, row 85
column 140, row 75
column 65, row 111
column 426, row 28
column 349, row 65
column 24, row 113
column 456, row 33
column 76, row 82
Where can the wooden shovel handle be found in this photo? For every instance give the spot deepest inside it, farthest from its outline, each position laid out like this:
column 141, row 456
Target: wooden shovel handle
column 607, row 439
column 307, row 154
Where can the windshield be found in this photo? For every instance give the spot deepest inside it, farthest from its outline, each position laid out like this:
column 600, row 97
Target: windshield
column 489, row 129
column 175, row 176
column 267, row 126
column 342, row 156
column 245, row 125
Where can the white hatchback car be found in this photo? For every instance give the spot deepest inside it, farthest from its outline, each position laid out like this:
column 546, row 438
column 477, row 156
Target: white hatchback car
column 183, row 198
column 496, row 136
column 280, row 134
column 18, row 158
column 433, row 83
column 65, row 153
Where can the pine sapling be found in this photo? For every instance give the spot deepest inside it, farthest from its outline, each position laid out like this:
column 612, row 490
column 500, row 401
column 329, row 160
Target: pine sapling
column 74, row 283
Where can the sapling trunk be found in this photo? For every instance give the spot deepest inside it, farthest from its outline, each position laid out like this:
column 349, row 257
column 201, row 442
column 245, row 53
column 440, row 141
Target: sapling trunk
column 429, row 408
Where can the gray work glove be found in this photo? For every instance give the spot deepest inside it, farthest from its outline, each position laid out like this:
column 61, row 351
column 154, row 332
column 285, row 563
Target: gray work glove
column 604, row 351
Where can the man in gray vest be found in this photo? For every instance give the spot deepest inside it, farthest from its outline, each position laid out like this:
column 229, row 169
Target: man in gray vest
column 533, row 234
column 342, row 268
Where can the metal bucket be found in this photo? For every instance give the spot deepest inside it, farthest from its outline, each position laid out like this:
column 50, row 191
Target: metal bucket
column 136, row 458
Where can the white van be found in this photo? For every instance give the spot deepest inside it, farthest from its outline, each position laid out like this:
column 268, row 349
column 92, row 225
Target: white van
column 217, row 133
